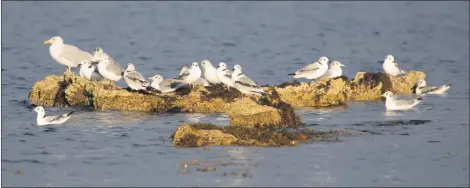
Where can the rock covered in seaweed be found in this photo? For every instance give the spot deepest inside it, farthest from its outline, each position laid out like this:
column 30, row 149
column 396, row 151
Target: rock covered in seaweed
column 205, row 134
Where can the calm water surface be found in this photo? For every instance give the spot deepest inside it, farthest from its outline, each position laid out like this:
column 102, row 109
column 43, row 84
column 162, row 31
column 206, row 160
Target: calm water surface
column 428, row 146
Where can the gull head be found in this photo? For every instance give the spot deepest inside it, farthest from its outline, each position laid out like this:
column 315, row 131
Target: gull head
column 205, row 63
column 39, row 110
column 389, row 58
column 130, row 67
column 194, row 65
column 85, row 63
column 387, row 94
column 222, row 65
column 54, row 40
column 421, row 83
column 97, row 52
column 336, row 64
column 323, row 60
column 157, row 78
column 237, row 69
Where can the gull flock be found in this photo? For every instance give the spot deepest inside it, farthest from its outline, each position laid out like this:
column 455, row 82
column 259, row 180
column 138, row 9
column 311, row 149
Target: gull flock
column 100, row 65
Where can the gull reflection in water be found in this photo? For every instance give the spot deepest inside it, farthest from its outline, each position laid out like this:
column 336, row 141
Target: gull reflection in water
column 313, row 113
column 114, row 118
column 390, row 113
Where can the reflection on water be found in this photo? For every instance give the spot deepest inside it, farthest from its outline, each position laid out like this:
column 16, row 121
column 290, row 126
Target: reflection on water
column 391, row 113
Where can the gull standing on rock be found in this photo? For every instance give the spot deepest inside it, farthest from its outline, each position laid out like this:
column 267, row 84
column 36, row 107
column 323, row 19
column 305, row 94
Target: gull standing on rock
column 66, row 54
column 89, row 71
column 421, row 88
column 42, row 119
column 391, row 67
column 312, row 71
column 199, row 81
column 224, row 75
column 134, row 79
column 210, row 73
column 165, row 86
column 334, row 70
column 244, row 84
column 391, row 103
column 107, row 67
column 191, row 75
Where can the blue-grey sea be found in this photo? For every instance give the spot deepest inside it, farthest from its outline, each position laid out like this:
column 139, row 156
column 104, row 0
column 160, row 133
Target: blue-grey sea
column 426, row 146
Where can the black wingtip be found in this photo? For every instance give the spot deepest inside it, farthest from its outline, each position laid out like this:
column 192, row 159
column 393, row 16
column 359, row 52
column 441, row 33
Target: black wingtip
column 448, row 85
column 122, row 73
column 291, row 74
column 150, row 88
column 70, row 113
column 419, row 99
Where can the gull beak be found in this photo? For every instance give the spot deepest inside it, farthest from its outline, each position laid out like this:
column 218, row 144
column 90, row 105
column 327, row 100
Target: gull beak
column 47, row 42
column 150, row 78
column 341, row 65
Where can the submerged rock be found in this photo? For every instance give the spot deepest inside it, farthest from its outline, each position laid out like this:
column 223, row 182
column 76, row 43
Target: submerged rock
column 205, row 134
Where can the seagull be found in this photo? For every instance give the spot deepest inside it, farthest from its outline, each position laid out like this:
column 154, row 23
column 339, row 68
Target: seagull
column 191, row 75
column 391, row 67
column 89, row 71
column 134, row 79
column 199, row 81
column 42, row 119
column 334, row 70
column 391, row 103
column 244, row 84
column 312, row 71
column 107, row 67
column 224, row 75
column 165, row 86
column 66, row 54
column 421, row 88
column 210, row 73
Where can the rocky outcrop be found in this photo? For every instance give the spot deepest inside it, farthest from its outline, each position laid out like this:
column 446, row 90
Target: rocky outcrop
column 254, row 119
column 321, row 93
column 72, row 90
